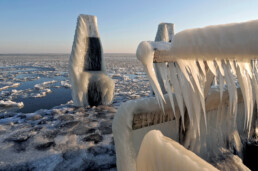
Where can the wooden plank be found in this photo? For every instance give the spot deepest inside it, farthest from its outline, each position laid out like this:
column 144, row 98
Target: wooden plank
column 141, row 120
column 161, row 56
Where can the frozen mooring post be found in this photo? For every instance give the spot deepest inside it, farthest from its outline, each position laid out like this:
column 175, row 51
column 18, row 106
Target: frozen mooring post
column 90, row 82
column 215, row 121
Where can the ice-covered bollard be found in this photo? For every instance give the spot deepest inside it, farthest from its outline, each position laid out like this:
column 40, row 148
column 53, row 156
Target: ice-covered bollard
column 90, row 83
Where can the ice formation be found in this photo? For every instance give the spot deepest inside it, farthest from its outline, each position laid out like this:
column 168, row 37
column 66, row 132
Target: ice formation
column 10, row 103
column 87, row 62
column 42, row 85
column 65, row 84
column 9, row 86
column 229, row 52
column 166, row 154
column 145, row 53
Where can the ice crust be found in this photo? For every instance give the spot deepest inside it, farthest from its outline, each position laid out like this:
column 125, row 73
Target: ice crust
column 228, row 41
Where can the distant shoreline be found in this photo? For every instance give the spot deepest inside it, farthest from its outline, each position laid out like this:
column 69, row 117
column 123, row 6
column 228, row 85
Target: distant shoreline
column 44, row 54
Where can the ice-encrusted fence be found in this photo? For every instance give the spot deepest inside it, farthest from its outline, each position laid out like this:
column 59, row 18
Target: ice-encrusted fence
column 188, row 65
column 205, row 86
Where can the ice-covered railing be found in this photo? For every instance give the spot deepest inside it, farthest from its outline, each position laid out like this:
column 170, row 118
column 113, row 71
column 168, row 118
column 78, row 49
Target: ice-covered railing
column 190, row 62
column 158, row 152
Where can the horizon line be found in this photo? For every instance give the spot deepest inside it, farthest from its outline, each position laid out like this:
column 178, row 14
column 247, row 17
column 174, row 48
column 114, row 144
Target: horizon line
column 43, row 53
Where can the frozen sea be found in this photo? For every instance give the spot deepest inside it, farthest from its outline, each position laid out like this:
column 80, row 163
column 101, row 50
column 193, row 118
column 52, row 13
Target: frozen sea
column 39, row 126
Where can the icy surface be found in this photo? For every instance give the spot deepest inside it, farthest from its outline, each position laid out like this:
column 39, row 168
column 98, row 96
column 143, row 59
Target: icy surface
column 49, row 132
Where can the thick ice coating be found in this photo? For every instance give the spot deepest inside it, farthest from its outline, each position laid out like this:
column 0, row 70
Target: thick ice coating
column 167, row 155
column 229, row 41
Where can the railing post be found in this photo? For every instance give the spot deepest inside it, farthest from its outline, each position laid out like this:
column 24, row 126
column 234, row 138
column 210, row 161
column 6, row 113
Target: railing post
column 164, row 33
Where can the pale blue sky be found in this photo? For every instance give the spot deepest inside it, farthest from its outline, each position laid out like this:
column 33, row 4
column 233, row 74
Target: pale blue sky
column 47, row 26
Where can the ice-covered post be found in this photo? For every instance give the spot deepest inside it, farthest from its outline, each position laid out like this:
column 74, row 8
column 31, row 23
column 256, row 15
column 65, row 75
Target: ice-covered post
column 164, row 33
column 90, row 83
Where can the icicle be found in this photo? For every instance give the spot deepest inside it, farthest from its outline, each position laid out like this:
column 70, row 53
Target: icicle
column 249, row 77
column 221, row 85
column 197, row 110
column 145, row 54
column 196, row 76
column 193, row 93
column 212, row 67
column 192, row 68
column 255, row 81
column 232, row 90
column 202, row 66
column 241, row 76
column 165, row 77
column 219, row 64
column 215, row 82
column 177, row 90
column 186, row 88
column 231, row 63
column 183, row 66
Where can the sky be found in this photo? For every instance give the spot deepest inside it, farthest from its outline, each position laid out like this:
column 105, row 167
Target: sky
column 48, row 26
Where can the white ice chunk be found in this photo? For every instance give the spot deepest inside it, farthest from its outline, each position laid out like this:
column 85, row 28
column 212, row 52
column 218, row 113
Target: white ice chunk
column 44, row 84
column 10, row 103
column 65, row 84
column 9, row 86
